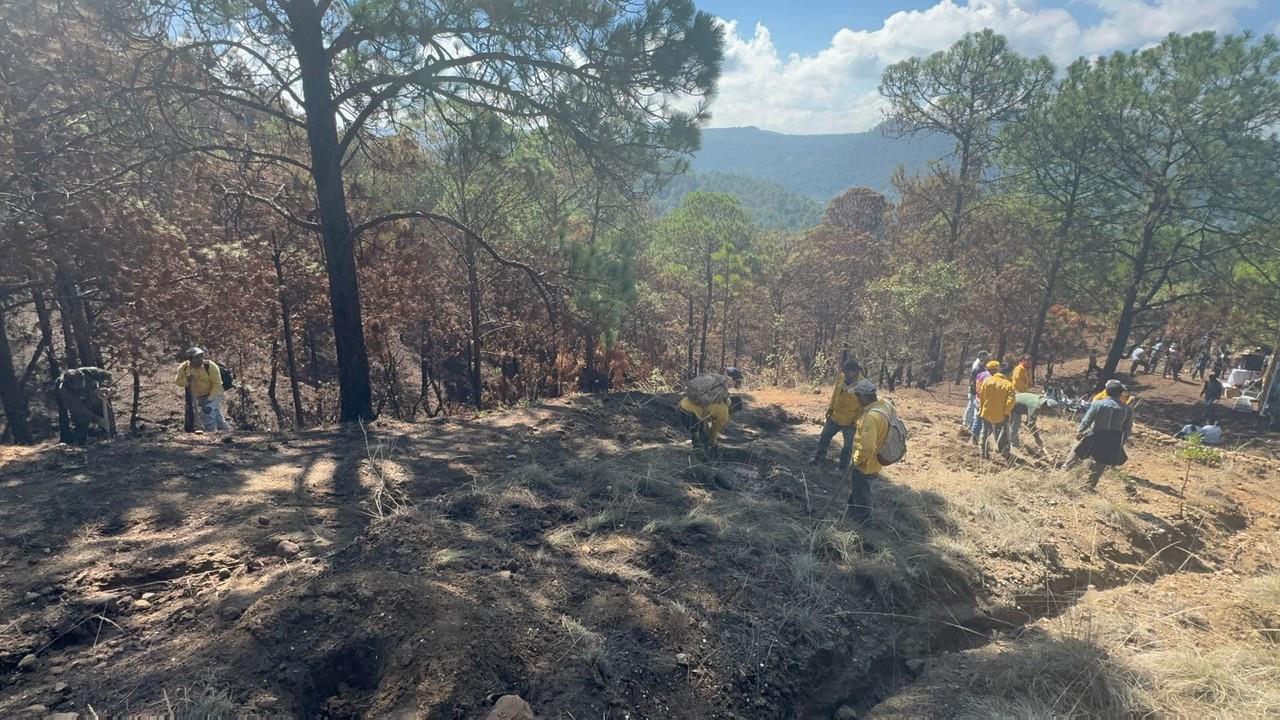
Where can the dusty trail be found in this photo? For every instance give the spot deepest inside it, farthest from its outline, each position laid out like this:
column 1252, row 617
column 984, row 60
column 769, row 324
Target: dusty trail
column 573, row 553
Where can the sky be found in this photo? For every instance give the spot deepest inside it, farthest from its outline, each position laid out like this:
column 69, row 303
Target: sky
column 813, row 66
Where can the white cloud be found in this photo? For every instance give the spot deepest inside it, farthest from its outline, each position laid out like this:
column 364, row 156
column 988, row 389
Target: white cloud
column 835, row 90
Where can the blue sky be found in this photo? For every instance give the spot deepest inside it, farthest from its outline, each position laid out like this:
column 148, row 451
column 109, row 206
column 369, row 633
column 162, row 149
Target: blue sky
column 812, row 66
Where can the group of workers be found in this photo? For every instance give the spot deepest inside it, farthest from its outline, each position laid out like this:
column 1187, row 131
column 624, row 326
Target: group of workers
column 855, row 412
column 84, row 394
column 1000, row 400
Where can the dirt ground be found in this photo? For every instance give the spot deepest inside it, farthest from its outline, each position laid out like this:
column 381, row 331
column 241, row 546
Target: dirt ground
column 575, row 553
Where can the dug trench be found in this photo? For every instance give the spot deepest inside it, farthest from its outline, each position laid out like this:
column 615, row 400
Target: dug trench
column 573, row 553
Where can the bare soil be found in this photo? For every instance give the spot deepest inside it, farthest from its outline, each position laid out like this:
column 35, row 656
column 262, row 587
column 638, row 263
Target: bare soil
column 575, row 553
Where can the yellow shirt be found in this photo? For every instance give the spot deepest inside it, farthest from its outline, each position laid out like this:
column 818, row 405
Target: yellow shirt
column 844, row 408
column 718, row 412
column 873, row 428
column 996, row 399
column 1021, row 378
column 205, row 382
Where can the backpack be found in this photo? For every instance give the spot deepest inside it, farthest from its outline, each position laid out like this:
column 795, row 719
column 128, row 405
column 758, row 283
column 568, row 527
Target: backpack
column 228, row 378
column 708, row 389
column 894, row 447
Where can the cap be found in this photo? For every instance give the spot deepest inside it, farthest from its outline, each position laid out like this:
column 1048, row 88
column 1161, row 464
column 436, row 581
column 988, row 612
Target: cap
column 193, row 351
column 993, row 365
column 864, row 387
column 983, row 355
column 1115, row 385
column 1049, row 403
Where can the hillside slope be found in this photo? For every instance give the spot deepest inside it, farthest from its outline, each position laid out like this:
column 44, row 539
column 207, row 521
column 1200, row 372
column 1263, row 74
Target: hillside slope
column 818, row 166
column 574, row 553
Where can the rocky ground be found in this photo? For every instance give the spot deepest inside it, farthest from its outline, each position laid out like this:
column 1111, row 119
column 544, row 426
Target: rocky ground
column 574, row 553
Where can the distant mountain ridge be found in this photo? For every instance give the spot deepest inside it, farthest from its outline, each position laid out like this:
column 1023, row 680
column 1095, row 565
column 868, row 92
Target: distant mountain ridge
column 817, row 166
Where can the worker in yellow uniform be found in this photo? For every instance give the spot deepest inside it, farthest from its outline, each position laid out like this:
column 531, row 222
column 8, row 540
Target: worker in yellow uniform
column 996, row 399
column 204, row 379
column 842, row 415
column 707, row 422
column 872, row 429
column 1022, row 375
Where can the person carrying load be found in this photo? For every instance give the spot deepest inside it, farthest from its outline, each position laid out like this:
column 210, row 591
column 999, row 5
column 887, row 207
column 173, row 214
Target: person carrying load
column 706, row 407
column 82, row 392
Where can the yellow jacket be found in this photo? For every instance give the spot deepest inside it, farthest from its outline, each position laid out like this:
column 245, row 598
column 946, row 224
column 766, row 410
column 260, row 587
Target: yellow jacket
column 1021, row 378
column 996, row 399
column 1125, row 398
column 718, row 412
column 205, row 382
column 844, row 408
column 873, row 428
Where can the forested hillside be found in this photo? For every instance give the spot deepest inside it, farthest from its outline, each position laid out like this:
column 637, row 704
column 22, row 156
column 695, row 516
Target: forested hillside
column 819, row 166
column 467, row 458
column 771, row 206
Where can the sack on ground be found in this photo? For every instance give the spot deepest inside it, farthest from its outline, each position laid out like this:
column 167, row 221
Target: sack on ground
column 895, row 439
column 708, row 389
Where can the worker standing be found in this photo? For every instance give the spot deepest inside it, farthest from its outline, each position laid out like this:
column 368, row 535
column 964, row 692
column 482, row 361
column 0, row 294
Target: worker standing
column 842, row 415
column 996, row 399
column 1102, row 433
column 992, row 367
column 204, row 379
column 1022, row 381
column 971, row 405
column 872, row 431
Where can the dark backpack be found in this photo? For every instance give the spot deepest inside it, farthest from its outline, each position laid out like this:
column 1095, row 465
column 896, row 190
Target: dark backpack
column 228, row 378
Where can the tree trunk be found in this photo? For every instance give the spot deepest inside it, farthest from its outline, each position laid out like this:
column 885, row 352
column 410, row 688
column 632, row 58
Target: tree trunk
column 286, row 325
column 692, row 369
column 962, row 367
column 12, row 397
column 587, row 383
column 473, row 306
column 335, row 224
column 46, row 332
column 706, row 323
column 1051, row 284
column 1128, row 311
column 75, row 315
column 271, row 385
column 724, row 329
column 135, row 402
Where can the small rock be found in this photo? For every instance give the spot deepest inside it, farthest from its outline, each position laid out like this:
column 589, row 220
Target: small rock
column 288, row 548
column 61, row 687
column 510, row 707
column 63, row 716
column 148, row 595
column 267, row 702
column 915, row 665
column 682, row 659
column 31, row 597
column 224, row 573
column 264, row 520
column 511, row 457
column 846, row 713
column 229, row 612
column 141, row 604
column 40, row 710
column 28, row 662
